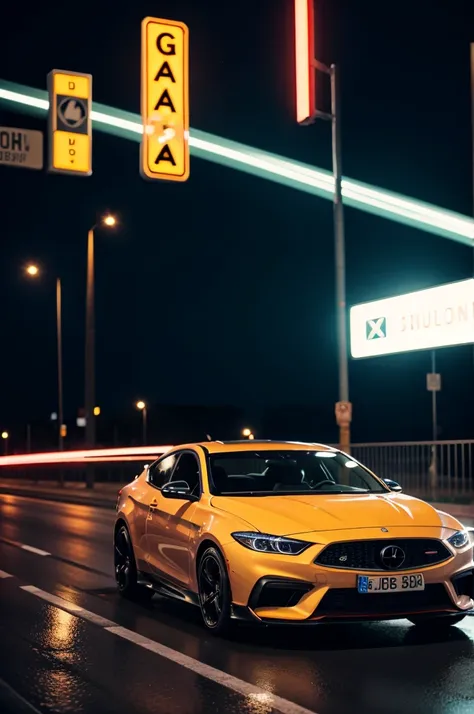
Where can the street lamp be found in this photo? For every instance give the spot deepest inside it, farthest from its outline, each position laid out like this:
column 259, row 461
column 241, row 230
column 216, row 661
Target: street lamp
column 5, row 438
column 89, row 378
column 306, row 66
column 33, row 271
column 141, row 406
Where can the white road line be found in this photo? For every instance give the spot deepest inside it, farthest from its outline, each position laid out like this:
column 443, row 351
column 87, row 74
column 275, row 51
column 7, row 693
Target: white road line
column 216, row 675
column 38, row 551
column 251, row 691
column 3, row 574
column 70, row 607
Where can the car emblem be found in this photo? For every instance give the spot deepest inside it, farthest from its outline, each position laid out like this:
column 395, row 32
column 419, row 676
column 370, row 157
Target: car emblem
column 343, row 558
column 392, row 557
column 384, row 530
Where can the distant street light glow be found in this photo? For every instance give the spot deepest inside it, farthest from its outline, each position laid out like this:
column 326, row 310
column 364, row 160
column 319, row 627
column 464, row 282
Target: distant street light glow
column 294, row 174
column 4, row 434
column 141, row 405
column 110, row 221
column 32, row 270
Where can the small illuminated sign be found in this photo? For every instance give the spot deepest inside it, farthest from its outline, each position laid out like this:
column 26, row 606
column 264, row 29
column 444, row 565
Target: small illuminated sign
column 165, row 100
column 427, row 319
column 70, row 125
column 21, row 147
column 304, row 61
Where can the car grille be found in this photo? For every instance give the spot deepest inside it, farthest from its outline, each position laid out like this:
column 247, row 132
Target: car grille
column 344, row 602
column 366, row 554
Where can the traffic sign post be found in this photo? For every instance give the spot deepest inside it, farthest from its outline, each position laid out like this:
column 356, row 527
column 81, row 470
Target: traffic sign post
column 70, row 124
column 21, row 147
column 164, row 151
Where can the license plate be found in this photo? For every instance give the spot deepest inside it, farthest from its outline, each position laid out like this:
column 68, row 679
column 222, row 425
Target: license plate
column 390, row 583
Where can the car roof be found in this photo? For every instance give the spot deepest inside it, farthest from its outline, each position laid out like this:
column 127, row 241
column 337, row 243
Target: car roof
column 220, row 447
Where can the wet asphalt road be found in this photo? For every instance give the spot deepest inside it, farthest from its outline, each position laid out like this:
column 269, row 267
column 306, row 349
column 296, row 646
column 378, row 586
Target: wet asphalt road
column 65, row 657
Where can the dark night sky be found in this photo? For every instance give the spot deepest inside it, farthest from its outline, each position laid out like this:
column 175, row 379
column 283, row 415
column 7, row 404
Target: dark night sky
column 221, row 290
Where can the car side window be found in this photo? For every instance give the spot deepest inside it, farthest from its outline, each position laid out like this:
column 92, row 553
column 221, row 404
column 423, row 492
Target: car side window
column 160, row 472
column 187, row 470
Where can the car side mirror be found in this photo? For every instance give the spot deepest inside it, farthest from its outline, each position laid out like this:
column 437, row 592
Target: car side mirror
column 393, row 485
column 177, row 489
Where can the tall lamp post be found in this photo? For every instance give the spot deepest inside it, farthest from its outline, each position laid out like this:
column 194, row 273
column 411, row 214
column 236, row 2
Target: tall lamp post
column 33, row 271
column 141, row 406
column 89, row 377
column 306, row 113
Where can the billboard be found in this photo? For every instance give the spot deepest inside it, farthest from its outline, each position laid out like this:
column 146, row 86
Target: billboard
column 427, row 319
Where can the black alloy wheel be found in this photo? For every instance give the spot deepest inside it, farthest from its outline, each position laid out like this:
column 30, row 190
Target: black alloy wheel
column 436, row 621
column 214, row 591
column 126, row 569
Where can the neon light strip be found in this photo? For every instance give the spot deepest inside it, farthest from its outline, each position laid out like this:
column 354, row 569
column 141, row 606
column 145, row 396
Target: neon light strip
column 303, row 177
column 84, row 456
column 303, row 69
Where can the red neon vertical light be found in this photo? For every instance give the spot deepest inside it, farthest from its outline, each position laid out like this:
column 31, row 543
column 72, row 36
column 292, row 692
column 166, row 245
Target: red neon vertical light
column 304, row 56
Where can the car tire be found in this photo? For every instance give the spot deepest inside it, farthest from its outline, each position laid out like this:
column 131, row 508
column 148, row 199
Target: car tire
column 126, row 570
column 436, row 621
column 215, row 597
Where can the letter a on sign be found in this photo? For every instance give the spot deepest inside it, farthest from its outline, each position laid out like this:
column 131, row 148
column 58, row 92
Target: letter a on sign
column 70, row 126
column 165, row 100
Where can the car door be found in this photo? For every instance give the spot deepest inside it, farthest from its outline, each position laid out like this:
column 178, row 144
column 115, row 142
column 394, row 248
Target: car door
column 170, row 526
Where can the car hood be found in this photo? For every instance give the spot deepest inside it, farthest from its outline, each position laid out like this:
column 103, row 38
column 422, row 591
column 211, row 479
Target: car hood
column 298, row 514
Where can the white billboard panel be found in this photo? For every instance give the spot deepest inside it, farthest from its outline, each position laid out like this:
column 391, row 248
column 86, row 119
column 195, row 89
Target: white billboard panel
column 426, row 319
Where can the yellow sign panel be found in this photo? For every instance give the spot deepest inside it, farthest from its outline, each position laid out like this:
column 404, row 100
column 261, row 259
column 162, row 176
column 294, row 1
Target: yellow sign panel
column 165, row 100
column 70, row 125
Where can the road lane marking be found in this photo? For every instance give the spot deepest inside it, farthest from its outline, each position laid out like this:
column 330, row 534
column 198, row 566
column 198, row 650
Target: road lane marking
column 68, row 561
column 31, row 549
column 21, row 704
column 3, row 574
column 251, row 691
column 68, row 606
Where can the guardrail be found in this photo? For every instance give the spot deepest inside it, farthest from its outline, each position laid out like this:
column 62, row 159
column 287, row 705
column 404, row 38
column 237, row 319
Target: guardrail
column 428, row 469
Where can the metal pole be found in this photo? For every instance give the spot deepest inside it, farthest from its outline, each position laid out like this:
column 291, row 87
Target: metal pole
column 89, row 380
column 144, row 412
column 434, row 406
column 60, row 361
column 434, row 414
column 28, row 438
column 472, row 147
column 344, row 425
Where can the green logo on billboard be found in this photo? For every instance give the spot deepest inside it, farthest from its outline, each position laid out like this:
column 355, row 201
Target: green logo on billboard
column 376, row 329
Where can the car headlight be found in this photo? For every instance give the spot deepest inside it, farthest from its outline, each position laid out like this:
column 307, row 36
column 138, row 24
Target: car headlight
column 459, row 539
column 263, row 543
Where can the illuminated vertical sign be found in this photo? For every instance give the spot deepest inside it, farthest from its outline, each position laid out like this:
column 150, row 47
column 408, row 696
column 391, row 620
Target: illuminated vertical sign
column 165, row 100
column 304, row 60
column 70, row 125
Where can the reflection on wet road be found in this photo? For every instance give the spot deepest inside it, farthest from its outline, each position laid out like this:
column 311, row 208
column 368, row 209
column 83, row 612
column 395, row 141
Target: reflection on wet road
column 97, row 653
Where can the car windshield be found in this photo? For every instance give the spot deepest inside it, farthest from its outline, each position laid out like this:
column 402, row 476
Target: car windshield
column 267, row 473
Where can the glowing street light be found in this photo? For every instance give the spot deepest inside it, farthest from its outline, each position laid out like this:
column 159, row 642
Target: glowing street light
column 108, row 221
column 33, row 271
column 141, row 406
column 5, row 438
column 246, row 432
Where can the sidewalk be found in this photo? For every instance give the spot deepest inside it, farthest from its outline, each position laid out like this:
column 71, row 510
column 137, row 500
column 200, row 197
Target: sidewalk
column 104, row 495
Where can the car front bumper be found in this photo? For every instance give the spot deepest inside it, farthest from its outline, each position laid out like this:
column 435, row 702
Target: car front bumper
column 288, row 589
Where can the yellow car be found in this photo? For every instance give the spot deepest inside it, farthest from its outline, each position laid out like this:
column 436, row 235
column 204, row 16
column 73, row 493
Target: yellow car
column 286, row 533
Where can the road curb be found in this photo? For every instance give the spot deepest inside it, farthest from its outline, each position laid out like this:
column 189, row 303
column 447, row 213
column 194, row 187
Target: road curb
column 59, row 497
